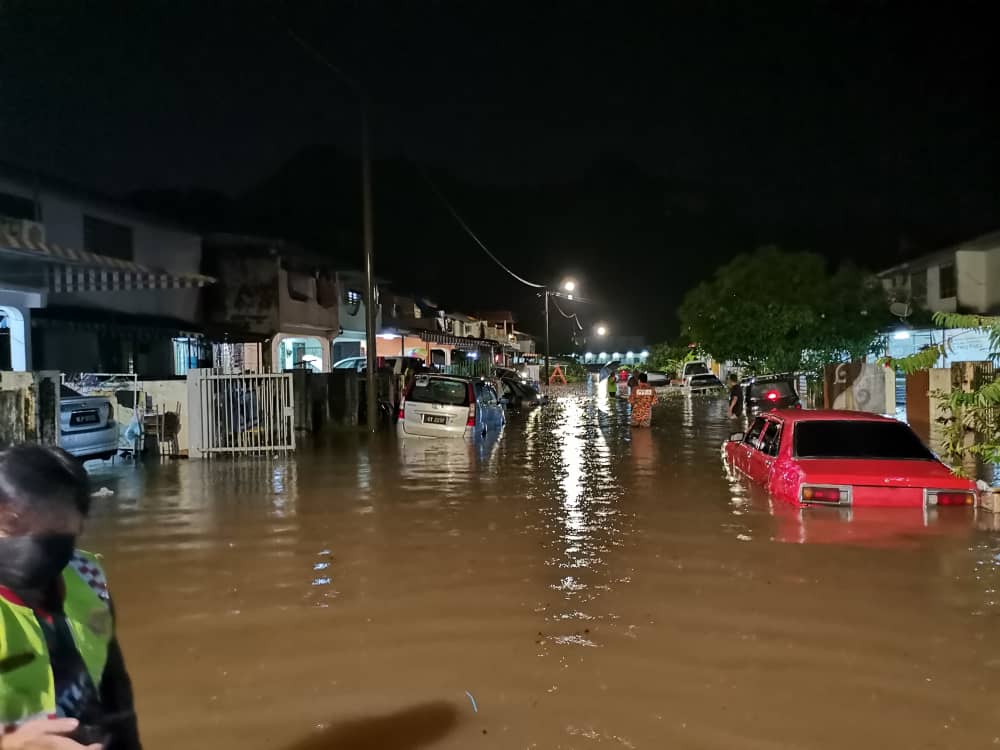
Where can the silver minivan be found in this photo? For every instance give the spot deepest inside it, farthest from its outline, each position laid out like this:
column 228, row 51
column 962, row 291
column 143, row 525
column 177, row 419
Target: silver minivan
column 450, row 407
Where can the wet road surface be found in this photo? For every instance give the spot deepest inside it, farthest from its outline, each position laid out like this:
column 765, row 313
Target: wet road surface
column 570, row 585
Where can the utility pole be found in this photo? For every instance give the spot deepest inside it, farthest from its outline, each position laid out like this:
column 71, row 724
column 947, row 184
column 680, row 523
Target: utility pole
column 546, row 338
column 371, row 294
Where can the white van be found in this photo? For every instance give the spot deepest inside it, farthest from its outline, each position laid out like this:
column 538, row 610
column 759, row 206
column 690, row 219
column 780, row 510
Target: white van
column 698, row 367
column 450, row 407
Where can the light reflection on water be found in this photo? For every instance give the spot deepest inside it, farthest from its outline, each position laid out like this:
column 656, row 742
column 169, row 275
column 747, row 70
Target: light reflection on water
column 588, row 584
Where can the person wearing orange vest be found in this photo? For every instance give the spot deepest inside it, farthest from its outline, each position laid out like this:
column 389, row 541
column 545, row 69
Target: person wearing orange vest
column 642, row 398
column 63, row 682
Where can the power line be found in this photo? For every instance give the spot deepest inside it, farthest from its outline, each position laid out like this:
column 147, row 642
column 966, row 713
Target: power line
column 461, row 222
column 571, row 316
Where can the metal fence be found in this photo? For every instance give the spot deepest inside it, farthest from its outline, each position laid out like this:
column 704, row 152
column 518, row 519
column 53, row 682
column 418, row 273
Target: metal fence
column 249, row 413
column 474, row 369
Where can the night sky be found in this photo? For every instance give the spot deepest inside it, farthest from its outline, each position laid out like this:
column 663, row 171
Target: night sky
column 598, row 138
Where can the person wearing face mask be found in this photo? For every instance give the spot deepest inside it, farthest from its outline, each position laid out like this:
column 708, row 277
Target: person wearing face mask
column 63, row 682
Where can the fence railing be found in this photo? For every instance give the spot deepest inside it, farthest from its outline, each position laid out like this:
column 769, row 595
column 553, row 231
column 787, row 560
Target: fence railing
column 248, row 413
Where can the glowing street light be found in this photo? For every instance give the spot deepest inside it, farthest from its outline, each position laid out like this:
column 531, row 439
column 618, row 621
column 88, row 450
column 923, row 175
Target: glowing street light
column 568, row 286
column 602, row 330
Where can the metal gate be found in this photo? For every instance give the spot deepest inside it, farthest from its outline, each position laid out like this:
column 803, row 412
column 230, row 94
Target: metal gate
column 247, row 413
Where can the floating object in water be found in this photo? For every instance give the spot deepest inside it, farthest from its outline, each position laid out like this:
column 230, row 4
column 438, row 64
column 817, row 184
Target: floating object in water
column 473, row 701
column 103, row 492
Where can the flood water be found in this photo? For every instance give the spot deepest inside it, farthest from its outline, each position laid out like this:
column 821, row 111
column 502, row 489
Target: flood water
column 570, row 585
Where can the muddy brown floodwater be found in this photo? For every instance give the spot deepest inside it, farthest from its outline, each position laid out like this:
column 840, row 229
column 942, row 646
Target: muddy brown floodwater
column 569, row 585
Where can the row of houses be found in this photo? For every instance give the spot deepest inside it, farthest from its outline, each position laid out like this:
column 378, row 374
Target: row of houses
column 89, row 285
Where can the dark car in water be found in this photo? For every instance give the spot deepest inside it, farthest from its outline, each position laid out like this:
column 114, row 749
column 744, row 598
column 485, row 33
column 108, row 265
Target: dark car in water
column 705, row 383
column 519, row 395
column 768, row 392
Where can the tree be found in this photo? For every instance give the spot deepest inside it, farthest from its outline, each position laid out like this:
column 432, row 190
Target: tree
column 776, row 311
column 668, row 357
column 971, row 418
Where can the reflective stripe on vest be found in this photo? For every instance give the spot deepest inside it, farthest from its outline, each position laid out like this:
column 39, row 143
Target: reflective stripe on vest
column 27, row 686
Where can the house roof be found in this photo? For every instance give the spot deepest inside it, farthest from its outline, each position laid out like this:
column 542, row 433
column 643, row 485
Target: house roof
column 983, row 242
column 33, row 179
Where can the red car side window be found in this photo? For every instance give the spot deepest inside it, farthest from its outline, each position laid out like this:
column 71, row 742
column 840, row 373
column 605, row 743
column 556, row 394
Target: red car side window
column 754, row 432
column 771, row 438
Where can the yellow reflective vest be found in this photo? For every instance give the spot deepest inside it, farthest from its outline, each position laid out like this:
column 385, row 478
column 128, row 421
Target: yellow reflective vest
column 27, row 686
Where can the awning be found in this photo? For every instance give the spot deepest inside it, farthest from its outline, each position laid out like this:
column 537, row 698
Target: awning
column 447, row 338
column 69, row 270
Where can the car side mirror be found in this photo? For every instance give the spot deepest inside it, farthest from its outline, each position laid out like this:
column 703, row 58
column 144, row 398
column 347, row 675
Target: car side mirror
column 736, row 437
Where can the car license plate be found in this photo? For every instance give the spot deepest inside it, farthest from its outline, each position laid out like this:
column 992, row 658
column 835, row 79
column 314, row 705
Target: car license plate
column 84, row 417
column 434, row 419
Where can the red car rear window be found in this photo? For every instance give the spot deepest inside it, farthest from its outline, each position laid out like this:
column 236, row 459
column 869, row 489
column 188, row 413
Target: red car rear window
column 858, row 439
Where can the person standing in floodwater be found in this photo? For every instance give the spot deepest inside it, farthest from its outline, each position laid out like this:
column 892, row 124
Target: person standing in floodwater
column 735, row 410
column 612, row 384
column 642, row 398
column 63, row 682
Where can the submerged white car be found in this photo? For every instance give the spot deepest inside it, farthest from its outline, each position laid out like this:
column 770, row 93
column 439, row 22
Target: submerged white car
column 87, row 426
column 450, row 407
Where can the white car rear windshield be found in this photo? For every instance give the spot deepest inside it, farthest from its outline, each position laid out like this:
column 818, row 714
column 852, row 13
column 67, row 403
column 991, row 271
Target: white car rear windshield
column 440, row 391
column 848, row 439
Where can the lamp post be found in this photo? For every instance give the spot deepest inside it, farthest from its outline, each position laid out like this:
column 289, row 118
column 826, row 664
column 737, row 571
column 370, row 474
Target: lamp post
column 567, row 287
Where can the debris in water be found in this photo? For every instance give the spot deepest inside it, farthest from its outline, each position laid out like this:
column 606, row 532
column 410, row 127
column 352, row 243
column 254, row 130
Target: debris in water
column 473, row 701
column 103, row 492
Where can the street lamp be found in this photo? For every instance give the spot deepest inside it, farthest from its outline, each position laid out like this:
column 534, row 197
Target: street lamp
column 602, row 330
column 568, row 286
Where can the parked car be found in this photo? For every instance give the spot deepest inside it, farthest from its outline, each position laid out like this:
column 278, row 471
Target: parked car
column 705, row 383
column 691, row 369
column 767, row 392
column 450, row 407
column 519, row 395
column 830, row 457
column 657, row 379
column 87, row 426
column 398, row 365
column 358, row 364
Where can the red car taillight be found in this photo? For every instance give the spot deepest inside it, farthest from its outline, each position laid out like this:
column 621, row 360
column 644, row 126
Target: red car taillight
column 825, row 494
column 772, row 396
column 471, row 421
column 950, row 498
column 402, row 402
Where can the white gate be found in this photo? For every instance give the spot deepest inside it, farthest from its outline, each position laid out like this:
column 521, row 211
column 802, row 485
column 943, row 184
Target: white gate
column 246, row 413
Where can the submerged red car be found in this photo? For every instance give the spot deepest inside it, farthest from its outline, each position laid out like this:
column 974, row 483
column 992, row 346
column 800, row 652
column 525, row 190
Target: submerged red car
column 829, row 457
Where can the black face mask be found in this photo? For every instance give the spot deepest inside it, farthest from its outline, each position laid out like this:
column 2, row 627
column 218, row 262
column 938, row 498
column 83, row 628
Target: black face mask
column 33, row 563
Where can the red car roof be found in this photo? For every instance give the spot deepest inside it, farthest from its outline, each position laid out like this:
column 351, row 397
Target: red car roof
column 828, row 415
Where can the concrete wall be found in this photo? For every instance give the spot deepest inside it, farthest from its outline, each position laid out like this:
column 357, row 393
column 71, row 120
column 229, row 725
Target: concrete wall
column 352, row 317
column 246, row 293
column 978, row 276
column 857, row 386
column 160, row 396
column 934, row 300
column 307, row 317
column 29, row 408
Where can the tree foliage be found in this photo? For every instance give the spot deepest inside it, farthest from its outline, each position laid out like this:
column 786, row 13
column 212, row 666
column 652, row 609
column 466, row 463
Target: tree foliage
column 970, row 418
column 669, row 358
column 773, row 311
